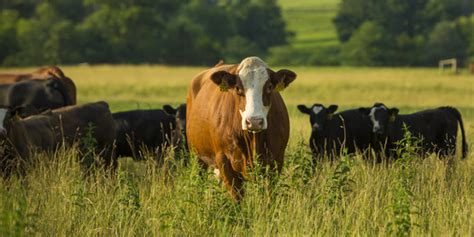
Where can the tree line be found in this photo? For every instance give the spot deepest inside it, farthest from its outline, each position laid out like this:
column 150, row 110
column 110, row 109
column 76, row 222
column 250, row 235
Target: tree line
column 200, row 32
column 186, row 32
column 405, row 32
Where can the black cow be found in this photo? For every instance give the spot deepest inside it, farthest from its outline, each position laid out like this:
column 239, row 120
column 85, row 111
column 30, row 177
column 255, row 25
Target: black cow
column 51, row 129
column 137, row 129
column 34, row 95
column 436, row 129
column 331, row 131
column 180, row 115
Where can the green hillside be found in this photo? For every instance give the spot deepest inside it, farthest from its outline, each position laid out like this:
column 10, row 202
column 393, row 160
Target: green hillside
column 311, row 21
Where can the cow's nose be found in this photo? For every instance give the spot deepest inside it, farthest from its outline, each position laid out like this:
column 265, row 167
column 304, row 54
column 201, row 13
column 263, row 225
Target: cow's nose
column 316, row 127
column 254, row 123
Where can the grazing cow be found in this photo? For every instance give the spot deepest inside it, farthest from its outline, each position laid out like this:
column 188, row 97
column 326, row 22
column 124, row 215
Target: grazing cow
column 331, row 132
column 180, row 115
column 235, row 112
column 436, row 128
column 49, row 130
column 36, row 95
column 471, row 68
column 45, row 73
column 137, row 129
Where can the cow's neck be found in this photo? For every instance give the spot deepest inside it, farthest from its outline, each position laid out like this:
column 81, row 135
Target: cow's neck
column 248, row 143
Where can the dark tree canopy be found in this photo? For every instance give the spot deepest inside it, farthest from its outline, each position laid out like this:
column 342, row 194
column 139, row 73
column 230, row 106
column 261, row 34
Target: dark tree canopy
column 137, row 31
column 402, row 32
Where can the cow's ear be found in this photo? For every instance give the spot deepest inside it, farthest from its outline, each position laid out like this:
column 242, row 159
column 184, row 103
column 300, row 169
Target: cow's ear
column 364, row 110
column 393, row 112
column 281, row 79
column 332, row 108
column 224, row 80
column 10, row 113
column 24, row 111
column 220, row 63
column 303, row 109
column 330, row 111
column 169, row 110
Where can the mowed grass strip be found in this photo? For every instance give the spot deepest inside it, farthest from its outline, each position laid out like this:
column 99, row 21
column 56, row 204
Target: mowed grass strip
column 311, row 21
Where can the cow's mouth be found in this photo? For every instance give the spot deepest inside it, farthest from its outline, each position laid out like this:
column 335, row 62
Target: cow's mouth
column 255, row 131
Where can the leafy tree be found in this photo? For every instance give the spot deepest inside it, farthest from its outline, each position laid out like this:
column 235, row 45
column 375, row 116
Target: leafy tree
column 136, row 31
column 445, row 41
column 365, row 47
column 466, row 26
column 8, row 39
column 237, row 48
column 261, row 22
column 400, row 30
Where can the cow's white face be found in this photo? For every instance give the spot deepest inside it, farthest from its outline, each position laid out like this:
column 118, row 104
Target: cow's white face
column 3, row 115
column 254, row 75
column 317, row 109
column 379, row 116
column 255, row 83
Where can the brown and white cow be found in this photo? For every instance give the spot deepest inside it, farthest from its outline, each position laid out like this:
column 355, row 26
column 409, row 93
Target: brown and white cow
column 50, row 130
column 235, row 111
column 44, row 73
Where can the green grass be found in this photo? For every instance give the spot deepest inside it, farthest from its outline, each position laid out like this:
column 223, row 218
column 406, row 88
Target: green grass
column 55, row 198
column 311, row 21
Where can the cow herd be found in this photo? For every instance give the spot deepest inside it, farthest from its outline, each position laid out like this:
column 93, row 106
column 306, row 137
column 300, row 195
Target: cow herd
column 234, row 116
column 382, row 129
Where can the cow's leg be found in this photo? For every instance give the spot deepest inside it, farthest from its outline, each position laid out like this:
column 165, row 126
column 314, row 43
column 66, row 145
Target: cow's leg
column 109, row 158
column 233, row 180
column 447, row 147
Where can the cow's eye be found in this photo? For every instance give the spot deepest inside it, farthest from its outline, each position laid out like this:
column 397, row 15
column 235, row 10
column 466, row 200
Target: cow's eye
column 269, row 88
column 239, row 90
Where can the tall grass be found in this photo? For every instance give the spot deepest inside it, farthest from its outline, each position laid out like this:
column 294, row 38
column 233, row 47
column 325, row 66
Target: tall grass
column 347, row 197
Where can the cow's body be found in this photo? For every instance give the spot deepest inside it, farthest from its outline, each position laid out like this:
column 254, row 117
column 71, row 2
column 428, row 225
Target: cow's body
column 45, row 73
column 136, row 129
column 435, row 128
column 64, row 126
column 217, row 131
column 35, row 95
column 179, row 113
column 331, row 132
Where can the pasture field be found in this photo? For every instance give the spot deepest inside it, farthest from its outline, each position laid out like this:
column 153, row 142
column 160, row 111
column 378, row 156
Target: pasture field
column 352, row 197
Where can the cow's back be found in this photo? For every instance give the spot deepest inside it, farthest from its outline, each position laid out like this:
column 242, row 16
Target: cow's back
column 203, row 115
column 76, row 119
column 357, row 129
column 35, row 132
column 152, row 128
column 432, row 125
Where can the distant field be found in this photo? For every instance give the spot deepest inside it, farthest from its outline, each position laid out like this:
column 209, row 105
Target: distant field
column 144, row 200
column 311, row 21
column 131, row 87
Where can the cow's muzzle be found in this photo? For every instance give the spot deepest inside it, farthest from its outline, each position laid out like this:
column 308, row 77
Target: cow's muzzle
column 255, row 124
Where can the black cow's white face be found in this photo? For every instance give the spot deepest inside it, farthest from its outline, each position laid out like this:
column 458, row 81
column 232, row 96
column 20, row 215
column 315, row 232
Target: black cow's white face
column 380, row 117
column 254, row 82
column 318, row 115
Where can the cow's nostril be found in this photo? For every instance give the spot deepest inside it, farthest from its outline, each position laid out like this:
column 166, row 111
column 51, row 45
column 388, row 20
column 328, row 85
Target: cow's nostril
column 248, row 122
column 255, row 123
